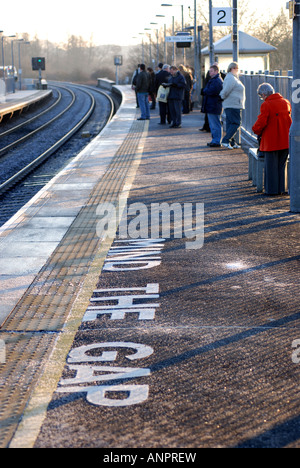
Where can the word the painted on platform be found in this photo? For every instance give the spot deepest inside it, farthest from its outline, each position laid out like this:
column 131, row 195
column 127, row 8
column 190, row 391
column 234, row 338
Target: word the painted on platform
column 87, row 364
column 138, row 221
column 128, row 301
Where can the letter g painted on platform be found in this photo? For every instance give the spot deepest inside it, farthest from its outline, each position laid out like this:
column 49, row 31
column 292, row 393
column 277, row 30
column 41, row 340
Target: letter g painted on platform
column 79, row 355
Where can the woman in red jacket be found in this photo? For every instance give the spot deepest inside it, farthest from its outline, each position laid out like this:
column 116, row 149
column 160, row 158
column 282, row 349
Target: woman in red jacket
column 273, row 126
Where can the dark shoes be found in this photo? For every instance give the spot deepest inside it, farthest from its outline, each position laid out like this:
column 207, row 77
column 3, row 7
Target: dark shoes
column 204, row 129
column 214, row 145
column 175, row 126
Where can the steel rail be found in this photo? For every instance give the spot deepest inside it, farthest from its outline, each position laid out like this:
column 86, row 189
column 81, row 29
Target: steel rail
column 32, row 119
column 105, row 95
column 5, row 186
column 29, row 135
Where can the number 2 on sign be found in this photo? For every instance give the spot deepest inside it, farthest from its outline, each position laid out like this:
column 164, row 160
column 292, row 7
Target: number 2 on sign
column 222, row 16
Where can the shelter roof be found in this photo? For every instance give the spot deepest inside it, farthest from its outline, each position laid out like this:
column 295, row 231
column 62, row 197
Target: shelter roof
column 247, row 45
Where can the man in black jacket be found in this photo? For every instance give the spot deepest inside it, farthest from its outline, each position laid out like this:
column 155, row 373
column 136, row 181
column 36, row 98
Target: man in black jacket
column 142, row 90
column 177, row 85
column 163, row 77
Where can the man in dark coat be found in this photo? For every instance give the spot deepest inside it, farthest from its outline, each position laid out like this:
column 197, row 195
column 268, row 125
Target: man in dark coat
column 133, row 83
column 142, row 89
column 177, row 85
column 163, row 77
column 212, row 105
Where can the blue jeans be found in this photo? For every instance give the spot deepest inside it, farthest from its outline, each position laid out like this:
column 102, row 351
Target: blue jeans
column 215, row 127
column 144, row 105
column 233, row 123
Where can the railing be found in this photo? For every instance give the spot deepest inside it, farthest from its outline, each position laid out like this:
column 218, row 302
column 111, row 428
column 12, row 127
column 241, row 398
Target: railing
column 281, row 84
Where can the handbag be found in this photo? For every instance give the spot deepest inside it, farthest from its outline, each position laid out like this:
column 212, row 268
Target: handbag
column 162, row 94
column 260, row 154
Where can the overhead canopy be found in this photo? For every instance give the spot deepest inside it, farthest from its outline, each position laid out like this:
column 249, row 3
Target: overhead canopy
column 247, row 45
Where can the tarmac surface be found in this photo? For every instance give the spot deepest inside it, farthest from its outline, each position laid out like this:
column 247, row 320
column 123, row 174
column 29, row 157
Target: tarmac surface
column 165, row 345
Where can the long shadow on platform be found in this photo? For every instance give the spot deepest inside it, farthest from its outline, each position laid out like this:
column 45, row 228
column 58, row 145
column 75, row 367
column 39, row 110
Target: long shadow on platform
column 278, row 437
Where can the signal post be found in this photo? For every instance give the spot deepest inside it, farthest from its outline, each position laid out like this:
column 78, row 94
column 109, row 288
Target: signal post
column 39, row 63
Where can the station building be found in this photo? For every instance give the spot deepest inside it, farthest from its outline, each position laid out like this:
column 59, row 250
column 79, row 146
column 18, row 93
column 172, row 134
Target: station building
column 254, row 54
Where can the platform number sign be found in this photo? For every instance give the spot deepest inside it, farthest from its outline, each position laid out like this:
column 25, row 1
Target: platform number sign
column 222, row 16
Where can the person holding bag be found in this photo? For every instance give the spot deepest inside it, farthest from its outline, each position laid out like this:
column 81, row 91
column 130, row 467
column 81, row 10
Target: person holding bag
column 177, row 86
column 163, row 77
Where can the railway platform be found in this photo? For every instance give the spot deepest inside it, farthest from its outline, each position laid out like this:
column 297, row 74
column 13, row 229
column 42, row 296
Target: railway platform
column 158, row 342
column 21, row 100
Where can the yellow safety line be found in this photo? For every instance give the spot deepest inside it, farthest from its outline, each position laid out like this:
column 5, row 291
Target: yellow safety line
column 36, row 410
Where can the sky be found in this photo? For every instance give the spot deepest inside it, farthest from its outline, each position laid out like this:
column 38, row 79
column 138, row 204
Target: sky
column 104, row 21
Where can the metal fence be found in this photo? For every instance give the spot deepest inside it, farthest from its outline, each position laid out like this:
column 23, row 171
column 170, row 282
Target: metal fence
column 281, row 84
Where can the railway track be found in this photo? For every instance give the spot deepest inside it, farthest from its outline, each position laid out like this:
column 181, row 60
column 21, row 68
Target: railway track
column 27, row 121
column 24, row 153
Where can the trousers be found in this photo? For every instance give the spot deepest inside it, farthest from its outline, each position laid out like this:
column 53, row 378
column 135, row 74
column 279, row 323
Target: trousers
column 215, row 127
column 175, row 107
column 164, row 112
column 233, row 123
column 144, row 105
column 275, row 162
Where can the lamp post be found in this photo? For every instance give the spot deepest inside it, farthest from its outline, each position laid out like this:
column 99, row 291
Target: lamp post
column 173, row 46
column 3, row 60
column 21, row 41
column 295, row 128
column 150, row 52
column 13, row 65
column 182, row 25
column 157, row 45
column 197, row 58
column 12, row 61
column 235, row 32
column 211, row 38
column 2, row 56
column 143, row 51
column 165, row 33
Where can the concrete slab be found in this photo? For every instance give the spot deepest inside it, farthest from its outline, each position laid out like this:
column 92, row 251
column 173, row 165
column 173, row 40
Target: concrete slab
column 26, row 249
column 21, row 266
column 28, row 240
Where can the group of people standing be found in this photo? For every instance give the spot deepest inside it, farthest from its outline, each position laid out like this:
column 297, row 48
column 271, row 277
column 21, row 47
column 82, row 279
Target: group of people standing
column 178, row 81
column 272, row 126
column 228, row 95
column 225, row 92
